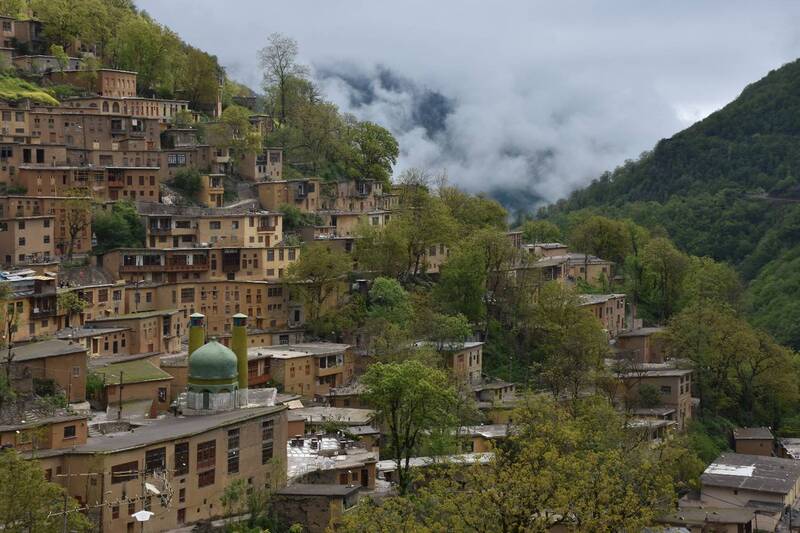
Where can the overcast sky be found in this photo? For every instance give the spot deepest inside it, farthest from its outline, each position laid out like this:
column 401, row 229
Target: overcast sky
column 534, row 98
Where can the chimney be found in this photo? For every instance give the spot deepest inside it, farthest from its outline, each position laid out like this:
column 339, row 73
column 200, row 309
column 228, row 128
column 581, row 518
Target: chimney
column 197, row 332
column 239, row 347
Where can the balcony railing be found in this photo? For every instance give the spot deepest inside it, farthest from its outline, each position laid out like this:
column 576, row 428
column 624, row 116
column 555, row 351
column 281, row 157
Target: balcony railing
column 164, row 268
column 263, row 227
column 116, row 184
column 157, row 230
column 37, row 313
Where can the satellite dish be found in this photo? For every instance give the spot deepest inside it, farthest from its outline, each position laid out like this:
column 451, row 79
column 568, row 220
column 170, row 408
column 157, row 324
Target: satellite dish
column 142, row 516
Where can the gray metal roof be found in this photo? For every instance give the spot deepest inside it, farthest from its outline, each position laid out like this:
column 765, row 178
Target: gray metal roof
column 752, row 472
column 315, row 489
column 761, row 433
column 42, row 349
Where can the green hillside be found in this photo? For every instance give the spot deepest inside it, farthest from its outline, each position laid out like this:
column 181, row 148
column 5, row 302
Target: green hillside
column 728, row 187
column 14, row 89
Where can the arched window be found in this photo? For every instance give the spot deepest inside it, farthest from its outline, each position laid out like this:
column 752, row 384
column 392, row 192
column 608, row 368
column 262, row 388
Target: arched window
column 105, row 107
column 115, row 107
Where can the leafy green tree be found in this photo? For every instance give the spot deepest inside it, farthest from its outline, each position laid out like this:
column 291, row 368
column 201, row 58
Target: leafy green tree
column 374, row 152
column 571, row 341
column 197, row 78
column 67, row 20
column 78, row 218
column 317, row 274
column 279, row 63
column 30, row 503
column 389, row 301
column 579, row 470
column 188, row 182
column 536, row 231
column 712, row 282
column 235, row 132
column 472, row 212
column 602, row 237
column 61, row 56
column 12, row 8
column 409, row 398
column 739, row 372
column 117, row 226
column 141, row 45
column 70, row 302
column 664, row 270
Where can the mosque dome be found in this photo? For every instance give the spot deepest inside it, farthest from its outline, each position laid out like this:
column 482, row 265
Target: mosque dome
column 213, row 361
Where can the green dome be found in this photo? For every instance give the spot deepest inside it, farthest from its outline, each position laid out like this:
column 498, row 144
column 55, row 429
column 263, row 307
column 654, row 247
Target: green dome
column 213, row 361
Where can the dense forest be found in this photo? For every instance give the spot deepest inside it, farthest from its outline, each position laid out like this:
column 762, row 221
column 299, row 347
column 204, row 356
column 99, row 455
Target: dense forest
column 728, row 188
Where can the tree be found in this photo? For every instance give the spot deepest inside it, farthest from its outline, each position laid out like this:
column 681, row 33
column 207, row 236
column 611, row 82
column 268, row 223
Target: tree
column 141, row 45
column 68, row 20
column 61, row 56
column 317, row 274
column 536, row 231
column 9, row 312
column 472, row 212
column 571, row 341
column 30, row 503
column 279, row 62
column 235, row 132
column 197, row 78
column 12, row 8
column 740, row 372
column 70, row 302
column 389, row 301
column 602, row 237
column 188, row 182
column 664, row 269
column 711, row 282
column 409, row 398
column 78, row 218
column 118, row 226
column 574, row 468
column 374, row 152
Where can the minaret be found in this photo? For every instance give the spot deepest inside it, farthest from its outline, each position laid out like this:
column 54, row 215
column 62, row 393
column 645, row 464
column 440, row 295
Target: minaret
column 239, row 347
column 197, row 332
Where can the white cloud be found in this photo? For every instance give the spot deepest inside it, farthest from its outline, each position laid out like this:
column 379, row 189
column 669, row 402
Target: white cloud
column 544, row 96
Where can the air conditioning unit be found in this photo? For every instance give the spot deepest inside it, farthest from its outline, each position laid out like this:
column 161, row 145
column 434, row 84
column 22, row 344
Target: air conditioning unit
column 35, row 309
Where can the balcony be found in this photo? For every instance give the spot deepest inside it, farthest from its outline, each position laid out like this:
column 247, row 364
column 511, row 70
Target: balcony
column 175, row 267
column 222, row 159
column 116, row 184
column 267, row 229
column 157, row 230
column 136, row 134
column 331, row 370
column 37, row 313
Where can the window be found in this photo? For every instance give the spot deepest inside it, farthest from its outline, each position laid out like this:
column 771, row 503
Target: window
column 181, row 459
column 69, row 432
column 162, row 394
column 21, row 224
column 125, row 472
column 270, row 255
column 215, row 224
column 155, row 460
column 182, row 495
column 206, row 454
column 235, row 224
column 666, row 389
column 187, row 295
column 131, row 510
column 233, row 451
column 76, row 371
column 21, row 241
column 267, row 434
column 115, row 512
column 206, row 478
column 292, row 254
column 181, row 515
column 102, row 295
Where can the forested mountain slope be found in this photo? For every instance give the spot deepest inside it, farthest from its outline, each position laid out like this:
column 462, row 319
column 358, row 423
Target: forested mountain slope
column 727, row 187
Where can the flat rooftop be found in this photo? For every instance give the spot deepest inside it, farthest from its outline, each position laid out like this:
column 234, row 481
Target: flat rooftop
column 328, row 455
column 593, row 299
column 134, row 316
column 761, row 433
column 347, row 415
column 488, row 431
column 641, row 332
column 170, row 428
column 154, row 209
column 291, row 351
column 43, row 349
column 82, row 333
column 752, row 472
column 318, row 489
column 137, row 371
column 389, row 465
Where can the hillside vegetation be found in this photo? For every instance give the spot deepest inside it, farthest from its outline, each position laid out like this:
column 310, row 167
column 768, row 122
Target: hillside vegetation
column 14, row 89
column 727, row 187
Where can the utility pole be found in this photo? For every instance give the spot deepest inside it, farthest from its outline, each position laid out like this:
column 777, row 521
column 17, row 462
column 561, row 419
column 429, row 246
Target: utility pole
column 119, row 412
column 64, row 520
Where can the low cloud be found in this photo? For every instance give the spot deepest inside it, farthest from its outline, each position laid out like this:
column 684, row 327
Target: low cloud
column 526, row 100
